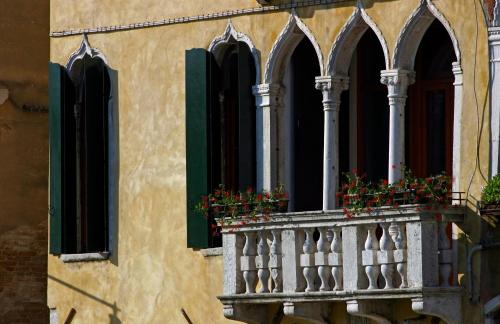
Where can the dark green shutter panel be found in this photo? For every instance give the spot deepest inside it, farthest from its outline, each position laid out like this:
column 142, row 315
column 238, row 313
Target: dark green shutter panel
column 197, row 164
column 55, row 207
column 112, row 159
column 246, row 122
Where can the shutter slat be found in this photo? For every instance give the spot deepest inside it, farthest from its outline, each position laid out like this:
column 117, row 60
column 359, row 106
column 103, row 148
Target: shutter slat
column 55, row 207
column 197, row 164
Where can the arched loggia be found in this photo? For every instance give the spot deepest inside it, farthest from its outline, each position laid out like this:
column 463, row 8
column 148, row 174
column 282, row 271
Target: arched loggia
column 289, row 119
column 425, row 25
column 354, row 104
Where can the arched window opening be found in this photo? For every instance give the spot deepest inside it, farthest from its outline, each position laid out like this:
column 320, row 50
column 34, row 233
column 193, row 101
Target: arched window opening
column 372, row 112
column 304, row 105
column 232, row 120
column 85, row 157
column 429, row 118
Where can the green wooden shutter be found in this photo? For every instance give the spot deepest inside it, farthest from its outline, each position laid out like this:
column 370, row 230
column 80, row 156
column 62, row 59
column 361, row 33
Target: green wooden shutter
column 55, row 207
column 113, row 162
column 246, row 122
column 197, row 163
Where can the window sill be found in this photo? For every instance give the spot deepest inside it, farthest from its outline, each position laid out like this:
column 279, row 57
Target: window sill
column 211, row 252
column 84, row 257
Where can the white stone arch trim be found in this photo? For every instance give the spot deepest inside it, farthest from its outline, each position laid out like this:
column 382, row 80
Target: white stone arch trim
column 219, row 43
column 84, row 49
column 413, row 31
column 286, row 40
column 339, row 58
column 492, row 305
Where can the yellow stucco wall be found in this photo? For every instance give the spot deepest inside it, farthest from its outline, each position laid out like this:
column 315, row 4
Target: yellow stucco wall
column 153, row 275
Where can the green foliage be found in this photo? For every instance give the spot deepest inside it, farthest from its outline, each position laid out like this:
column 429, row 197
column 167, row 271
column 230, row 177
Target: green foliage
column 491, row 192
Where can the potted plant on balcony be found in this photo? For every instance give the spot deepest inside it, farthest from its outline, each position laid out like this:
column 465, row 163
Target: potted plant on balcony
column 357, row 195
column 227, row 206
column 490, row 198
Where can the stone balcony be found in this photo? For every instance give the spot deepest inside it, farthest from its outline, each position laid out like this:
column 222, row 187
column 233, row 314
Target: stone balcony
column 308, row 261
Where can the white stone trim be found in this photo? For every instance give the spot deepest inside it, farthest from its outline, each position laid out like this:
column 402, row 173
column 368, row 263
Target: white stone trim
column 496, row 15
column 53, row 316
column 231, row 35
column 491, row 306
column 85, row 49
column 211, row 252
column 343, row 47
column 84, row 257
column 285, row 44
column 412, row 32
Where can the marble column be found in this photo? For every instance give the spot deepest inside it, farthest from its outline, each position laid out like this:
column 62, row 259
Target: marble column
column 331, row 88
column 397, row 82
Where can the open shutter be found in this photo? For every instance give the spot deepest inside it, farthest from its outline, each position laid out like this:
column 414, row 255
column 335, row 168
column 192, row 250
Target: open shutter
column 246, row 112
column 55, row 134
column 112, row 159
column 197, row 163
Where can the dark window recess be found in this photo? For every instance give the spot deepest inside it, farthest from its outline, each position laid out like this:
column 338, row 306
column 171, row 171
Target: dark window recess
column 220, row 130
column 373, row 110
column 232, row 120
column 429, row 117
column 308, row 129
column 85, row 157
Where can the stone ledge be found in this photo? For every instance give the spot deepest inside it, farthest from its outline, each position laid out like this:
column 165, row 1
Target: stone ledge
column 337, row 296
column 84, row 257
column 211, row 252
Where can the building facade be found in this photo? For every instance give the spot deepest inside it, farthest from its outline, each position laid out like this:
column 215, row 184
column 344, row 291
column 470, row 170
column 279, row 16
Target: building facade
column 24, row 156
column 154, row 104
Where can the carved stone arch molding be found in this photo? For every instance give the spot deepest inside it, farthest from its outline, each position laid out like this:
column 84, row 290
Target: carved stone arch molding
column 413, row 31
column 340, row 55
column 284, row 45
column 231, row 36
column 85, row 49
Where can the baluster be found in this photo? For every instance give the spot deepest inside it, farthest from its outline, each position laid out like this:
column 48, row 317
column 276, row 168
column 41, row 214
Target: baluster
column 400, row 254
column 322, row 259
column 335, row 258
column 248, row 262
column 445, row 255
column 369, row 257
column 262, row 262
column 307, row 260
column 386, row 256
column 275, row 261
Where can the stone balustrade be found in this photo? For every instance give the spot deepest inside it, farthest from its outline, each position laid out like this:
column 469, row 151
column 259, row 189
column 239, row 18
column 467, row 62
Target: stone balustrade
column 324, row 257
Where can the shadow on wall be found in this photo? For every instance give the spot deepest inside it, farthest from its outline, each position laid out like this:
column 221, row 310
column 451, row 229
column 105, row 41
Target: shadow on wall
column 113, row 316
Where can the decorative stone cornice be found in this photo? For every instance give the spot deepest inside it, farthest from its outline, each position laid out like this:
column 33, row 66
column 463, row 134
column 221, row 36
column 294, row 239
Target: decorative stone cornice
column 397, row 82
column 266, row 94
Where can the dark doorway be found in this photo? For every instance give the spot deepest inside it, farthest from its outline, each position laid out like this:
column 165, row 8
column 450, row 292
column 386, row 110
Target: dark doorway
column 307, row 128
column 429, row 117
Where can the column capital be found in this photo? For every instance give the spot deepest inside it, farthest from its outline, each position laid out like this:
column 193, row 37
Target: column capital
column 329, row 83
column 266, row 94
column 458, row 73
column 397, row 80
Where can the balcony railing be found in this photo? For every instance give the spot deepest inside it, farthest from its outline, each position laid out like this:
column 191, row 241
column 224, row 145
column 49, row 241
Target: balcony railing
column 322, row 257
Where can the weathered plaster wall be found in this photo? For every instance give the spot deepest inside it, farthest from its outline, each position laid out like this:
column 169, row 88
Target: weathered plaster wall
column 23, row 161
column 153, row 275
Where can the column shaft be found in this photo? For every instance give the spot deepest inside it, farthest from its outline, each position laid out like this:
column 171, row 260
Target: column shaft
column 332, row 88
column 397, row 82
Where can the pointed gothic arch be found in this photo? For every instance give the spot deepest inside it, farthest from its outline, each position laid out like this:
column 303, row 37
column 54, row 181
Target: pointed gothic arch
column 85, row 49
column 294, row 31
column 230, row 36
column 345, row 44
column 414, row 30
